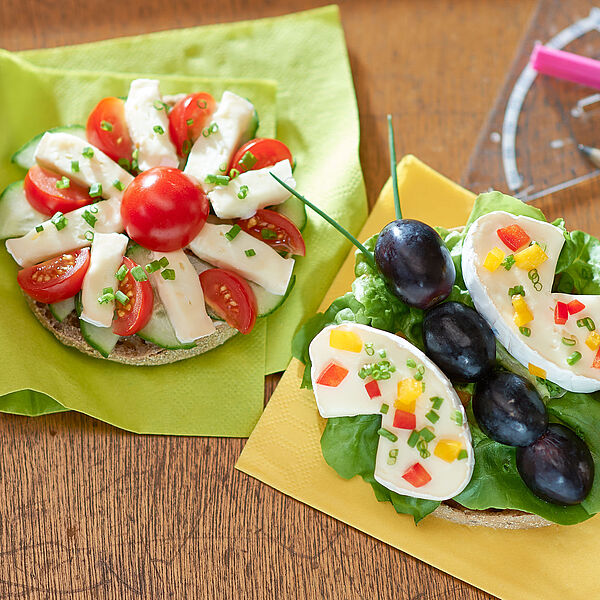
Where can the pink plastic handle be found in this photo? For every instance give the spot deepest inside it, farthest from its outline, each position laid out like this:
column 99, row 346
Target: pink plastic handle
column 566, row 65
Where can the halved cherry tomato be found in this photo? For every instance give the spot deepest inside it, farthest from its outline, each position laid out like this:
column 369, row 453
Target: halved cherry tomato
column 45, row 197
column 107, row 129
column 266, row 151
column 188, row 118
column 56, row 279
column 163, row 210
column 230, row 297
column 134, row 315
column 275, row 230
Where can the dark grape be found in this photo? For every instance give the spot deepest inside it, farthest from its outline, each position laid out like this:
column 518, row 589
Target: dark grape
column 459, row 341
column 414, row 262
column 558, row 467
column 509, row 410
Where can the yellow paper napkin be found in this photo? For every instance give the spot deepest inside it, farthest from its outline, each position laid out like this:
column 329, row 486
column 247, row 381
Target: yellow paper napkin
column 284, row 451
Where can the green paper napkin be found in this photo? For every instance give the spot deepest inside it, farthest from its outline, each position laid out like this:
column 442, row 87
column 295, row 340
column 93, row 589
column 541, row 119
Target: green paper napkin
column 218, row 393
column 317, row 118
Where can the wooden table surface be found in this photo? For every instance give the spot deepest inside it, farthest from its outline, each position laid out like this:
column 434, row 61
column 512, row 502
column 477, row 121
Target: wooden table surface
column 88, row 511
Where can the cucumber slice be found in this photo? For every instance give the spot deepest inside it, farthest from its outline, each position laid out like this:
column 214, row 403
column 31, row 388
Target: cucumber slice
column 101, row 339
column 268, row 303
column 250, row 133
column 61, row 310
column 25, row 155
column 17, row 216
column 294, row 210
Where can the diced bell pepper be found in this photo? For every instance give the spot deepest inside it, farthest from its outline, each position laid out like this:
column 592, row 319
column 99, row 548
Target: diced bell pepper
column 493, row 259
column 537, row 371
column 342, row 339
column 522, row 314
column 405, row 420
column 448, row 449
column 561, row 313
column 408, row 392
column 417, row 475
column 530, row 258
column 575, row 306
column 593, row 340
column 372, row 388
column 513, row 236
column 332, row 375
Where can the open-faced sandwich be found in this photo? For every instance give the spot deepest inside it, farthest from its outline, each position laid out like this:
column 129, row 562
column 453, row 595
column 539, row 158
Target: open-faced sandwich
column 461, row 374
column 155, row 232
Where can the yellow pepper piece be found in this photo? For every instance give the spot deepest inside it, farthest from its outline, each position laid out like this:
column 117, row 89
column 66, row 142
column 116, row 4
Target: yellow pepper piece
column 522, row 313
column 537, row 371
column 448, row 450
column 593, row 341
column 342, row 339
column 530, row 258
column 408, row 392
column 493, row 259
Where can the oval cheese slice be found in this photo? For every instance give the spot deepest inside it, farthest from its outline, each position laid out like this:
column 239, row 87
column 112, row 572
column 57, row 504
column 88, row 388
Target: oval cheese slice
column 424, row 448
column 562, row 352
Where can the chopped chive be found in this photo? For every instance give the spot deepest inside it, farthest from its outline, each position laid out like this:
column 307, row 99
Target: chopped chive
column 525, row 331
column 410, row 363
column 202, row 104
column 457, row 417
column 153, row 266
column 105, row 298
column 95, row 190
column 89, row 218
column 139, row 274
column 267, row 234
column 422, row 448
column 63, row 183
column 369, row 349
column 217, row 179
column 39, row 228
column 517, row 290
column 432, row 416
column 89, row 236
column 508, row 262
column 574, row 358
column 413, row 438
column 121, row 298
column 158, row 129
column 394, row 452
column 384, row 409
column 163, row 262
column 134, row 159
column 59, row 221
column 107, row 290
column 250, row 252
column 233, row 173
column 106, row 126
column 382, row 353
column 189, row 122
column 186, row 147
column 212, row 128
column 427, row 434
column 568, row 341
column 223, row 167
column 462, row 454
column 124, row 163
column 391, row 460
column 436, row 402
column 232, row 233
column 121, row 273
column 117, row 184
column 418, row 376
column 168, row 274
column 243, row 192
column 88, row 152
column 159, row 105
column 248, row 160
column 422, row 385
column 387, row 434
column 75, row 166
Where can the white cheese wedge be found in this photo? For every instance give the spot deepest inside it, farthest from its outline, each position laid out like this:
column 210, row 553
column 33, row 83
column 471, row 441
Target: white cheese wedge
column 209, row 153
column 265, row 267
column 182, row 297
column 252, row 190
column 145, row 124
column 37, row 246
column 105, row 259
column 447, row 422
column 57, row 151
column 544, row 347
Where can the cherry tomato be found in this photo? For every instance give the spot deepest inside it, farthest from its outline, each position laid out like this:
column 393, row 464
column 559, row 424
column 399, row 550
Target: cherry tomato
column 134, row 315
column 188, row 118
column 276, row 230
column 107, row 129
column 230, row 297
column 163, row 210
column 45, row 197
column 56, row 279
column 266, row 151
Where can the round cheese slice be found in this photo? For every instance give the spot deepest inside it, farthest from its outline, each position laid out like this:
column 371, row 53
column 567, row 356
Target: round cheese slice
column 424, row 448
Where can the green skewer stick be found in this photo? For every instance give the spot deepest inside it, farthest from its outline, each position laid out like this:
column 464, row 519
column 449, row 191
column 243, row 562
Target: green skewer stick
column 392, row 146
column 368, row 255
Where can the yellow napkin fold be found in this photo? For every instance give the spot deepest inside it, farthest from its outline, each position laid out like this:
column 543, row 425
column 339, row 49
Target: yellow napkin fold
column 284, row 451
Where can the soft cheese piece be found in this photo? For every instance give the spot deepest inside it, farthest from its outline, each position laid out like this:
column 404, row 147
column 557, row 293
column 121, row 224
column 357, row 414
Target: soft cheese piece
column 105, row 259
column 538, row 344
column 266, row 267
column 417, row 397
column 148, row 126
column 37, row 246
column 249, row 191
column 57, row 151
column 182, row 297
column 211, row 152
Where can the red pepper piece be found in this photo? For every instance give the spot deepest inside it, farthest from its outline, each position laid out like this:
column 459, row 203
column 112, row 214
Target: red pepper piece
column 575, row 306
column 596, row 363
column 405, row 420
column 561, row 313
column 417, row 476
column 372, row 388
column 513, row 236
column 332, row 375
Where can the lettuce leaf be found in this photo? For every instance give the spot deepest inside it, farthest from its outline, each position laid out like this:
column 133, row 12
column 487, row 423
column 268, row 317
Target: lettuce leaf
column 578, row 267
column 492, row 201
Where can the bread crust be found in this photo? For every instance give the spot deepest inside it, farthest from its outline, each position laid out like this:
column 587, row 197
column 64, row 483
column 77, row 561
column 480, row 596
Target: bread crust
column 128, row 351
